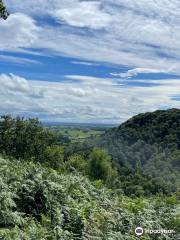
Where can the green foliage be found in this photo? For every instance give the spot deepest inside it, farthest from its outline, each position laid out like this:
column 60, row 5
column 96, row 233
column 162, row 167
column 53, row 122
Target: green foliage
column 78, row 163
column 54, row 157
column 146, row 151
column 100, row 166
column 43, row 195
column 39, row 203
column 27, row 139
column 97, row 166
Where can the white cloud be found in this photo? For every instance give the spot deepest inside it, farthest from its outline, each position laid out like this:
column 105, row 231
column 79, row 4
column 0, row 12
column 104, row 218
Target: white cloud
column 86, row 100
column 138, row 34
column 18, row 60
column 79, row 92
column 83, row 14
column 91, row 80
column 19, row 31
column 13, row 84
column 20, row 97
column 141, row 35
column 136, row 71
column 85, row 63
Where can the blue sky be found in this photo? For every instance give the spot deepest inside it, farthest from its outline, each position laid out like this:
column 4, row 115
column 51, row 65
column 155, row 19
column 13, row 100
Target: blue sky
column 89, row 61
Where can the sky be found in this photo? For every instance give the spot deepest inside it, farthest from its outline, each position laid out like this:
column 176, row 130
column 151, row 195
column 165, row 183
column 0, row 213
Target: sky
column 89, row 61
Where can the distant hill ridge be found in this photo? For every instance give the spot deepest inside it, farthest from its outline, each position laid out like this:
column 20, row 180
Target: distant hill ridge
column 161, row 127
column 149, row 143
column 154, row 126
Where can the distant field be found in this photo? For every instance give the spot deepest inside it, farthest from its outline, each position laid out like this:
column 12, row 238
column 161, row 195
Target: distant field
column 78, row 133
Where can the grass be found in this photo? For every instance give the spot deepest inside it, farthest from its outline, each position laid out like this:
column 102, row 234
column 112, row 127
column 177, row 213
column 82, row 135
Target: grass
column 78, row 133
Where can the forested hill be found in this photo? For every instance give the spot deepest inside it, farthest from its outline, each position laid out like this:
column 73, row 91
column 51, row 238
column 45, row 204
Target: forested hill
column 149, row 143
column 161, row 127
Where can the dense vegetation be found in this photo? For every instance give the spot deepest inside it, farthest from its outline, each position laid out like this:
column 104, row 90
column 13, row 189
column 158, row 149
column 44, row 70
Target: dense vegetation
column 102, row 188
column 146, row 152
column 38, row 203
column 24, row 139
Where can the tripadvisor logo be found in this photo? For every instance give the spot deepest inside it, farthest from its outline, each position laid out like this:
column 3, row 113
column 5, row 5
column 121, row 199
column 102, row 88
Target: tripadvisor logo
column 139, row 231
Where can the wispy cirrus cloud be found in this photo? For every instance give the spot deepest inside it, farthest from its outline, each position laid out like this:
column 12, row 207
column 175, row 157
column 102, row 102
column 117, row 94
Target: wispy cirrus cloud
column 17, row 60
column 141, row 37
column 85, row 63
column 136, row 71
column 122, row 32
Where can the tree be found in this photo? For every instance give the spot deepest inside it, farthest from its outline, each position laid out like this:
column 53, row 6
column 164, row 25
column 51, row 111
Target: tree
column 25, row 139
column 77, row 162
column 100, row 166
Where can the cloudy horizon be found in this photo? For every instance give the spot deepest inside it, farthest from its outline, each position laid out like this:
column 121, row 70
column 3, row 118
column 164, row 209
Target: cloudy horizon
column 89, row 61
